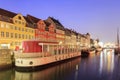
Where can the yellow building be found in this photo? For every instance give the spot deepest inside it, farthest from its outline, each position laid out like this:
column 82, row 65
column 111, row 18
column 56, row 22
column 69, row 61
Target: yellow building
column 14, row 28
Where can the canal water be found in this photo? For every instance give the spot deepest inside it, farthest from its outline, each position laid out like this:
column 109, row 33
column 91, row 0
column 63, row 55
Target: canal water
column 100, row 66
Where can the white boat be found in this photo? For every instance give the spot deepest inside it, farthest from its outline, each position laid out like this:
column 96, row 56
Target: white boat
column 36, row 54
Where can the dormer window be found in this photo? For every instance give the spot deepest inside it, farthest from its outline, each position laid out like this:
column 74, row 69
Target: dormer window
column 15, row 21
column 19, row 17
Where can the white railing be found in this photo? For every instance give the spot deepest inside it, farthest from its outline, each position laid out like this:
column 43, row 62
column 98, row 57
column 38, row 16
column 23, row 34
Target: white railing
column 27, row 55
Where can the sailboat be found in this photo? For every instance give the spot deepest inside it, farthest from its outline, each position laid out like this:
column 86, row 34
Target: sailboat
column 117, row 49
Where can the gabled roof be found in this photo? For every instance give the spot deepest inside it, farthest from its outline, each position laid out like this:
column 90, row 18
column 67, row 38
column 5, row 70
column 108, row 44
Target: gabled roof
column 32, row 19
column 29, row 23
column 47, row 25
column 7, row 13
column 57, row 23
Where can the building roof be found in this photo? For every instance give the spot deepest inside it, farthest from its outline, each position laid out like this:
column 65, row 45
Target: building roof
column 47, row 25
column 32, row 19
column 7, row 13
column 57, row 23
column 67, row 32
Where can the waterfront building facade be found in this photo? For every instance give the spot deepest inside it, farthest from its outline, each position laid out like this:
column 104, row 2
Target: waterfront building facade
column 59, row 29
column 13, row 29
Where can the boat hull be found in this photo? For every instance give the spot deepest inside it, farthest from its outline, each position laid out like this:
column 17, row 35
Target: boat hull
column 37, row 63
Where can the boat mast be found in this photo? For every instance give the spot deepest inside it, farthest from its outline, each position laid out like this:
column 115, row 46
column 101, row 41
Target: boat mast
column 118, row 37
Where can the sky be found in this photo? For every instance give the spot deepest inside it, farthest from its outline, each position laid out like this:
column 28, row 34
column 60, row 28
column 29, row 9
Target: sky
column 100, row 18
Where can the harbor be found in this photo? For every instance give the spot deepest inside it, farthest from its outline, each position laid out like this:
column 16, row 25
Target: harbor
column 34, row 42
column 59, row 40
column 103, row 67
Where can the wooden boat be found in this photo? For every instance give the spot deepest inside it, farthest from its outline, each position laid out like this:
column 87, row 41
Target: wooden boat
column 36, row 54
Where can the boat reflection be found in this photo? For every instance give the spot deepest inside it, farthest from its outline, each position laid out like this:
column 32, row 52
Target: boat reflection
column 57, row 72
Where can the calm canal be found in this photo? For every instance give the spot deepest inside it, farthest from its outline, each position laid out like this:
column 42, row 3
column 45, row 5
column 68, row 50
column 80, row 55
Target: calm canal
column 102, row 66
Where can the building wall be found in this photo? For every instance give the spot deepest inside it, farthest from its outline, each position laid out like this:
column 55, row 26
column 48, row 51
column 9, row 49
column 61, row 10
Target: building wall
column 60, row 36
column 67, row 40
column 43, row 35
column 12, row 34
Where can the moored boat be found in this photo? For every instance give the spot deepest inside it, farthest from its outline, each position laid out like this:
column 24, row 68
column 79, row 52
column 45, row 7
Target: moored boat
column 35, row 54
column 99, row 49
column 92, row 50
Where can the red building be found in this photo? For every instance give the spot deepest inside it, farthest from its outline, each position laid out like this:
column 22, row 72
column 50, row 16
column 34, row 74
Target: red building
column 59, row 29
column 44, row 31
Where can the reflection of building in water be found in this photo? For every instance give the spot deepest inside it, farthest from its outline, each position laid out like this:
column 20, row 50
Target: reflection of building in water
column 52, row 73
column 7, row 75
column 107, row 60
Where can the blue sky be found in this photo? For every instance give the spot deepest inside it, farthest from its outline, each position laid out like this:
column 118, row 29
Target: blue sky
column 98, row 17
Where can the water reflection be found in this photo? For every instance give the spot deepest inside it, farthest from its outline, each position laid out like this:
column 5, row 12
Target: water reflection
column 100, row 66
column 107, row 60
column 59, row 72
column 7, row 75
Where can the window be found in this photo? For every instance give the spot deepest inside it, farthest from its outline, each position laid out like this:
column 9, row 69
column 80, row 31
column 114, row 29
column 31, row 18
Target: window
column 19, row 22
column 15, row 28
column 32, row 37
column 15, row 35
column 19, row 17
column 7, row 34
column 19, row 35
column 29, row 37
column 22, row 36
column 32, row 31
column 2, row 25
column 11, row 35
column 11, row 43
column 15, row 21
column 2, row 34
column 7, row 26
